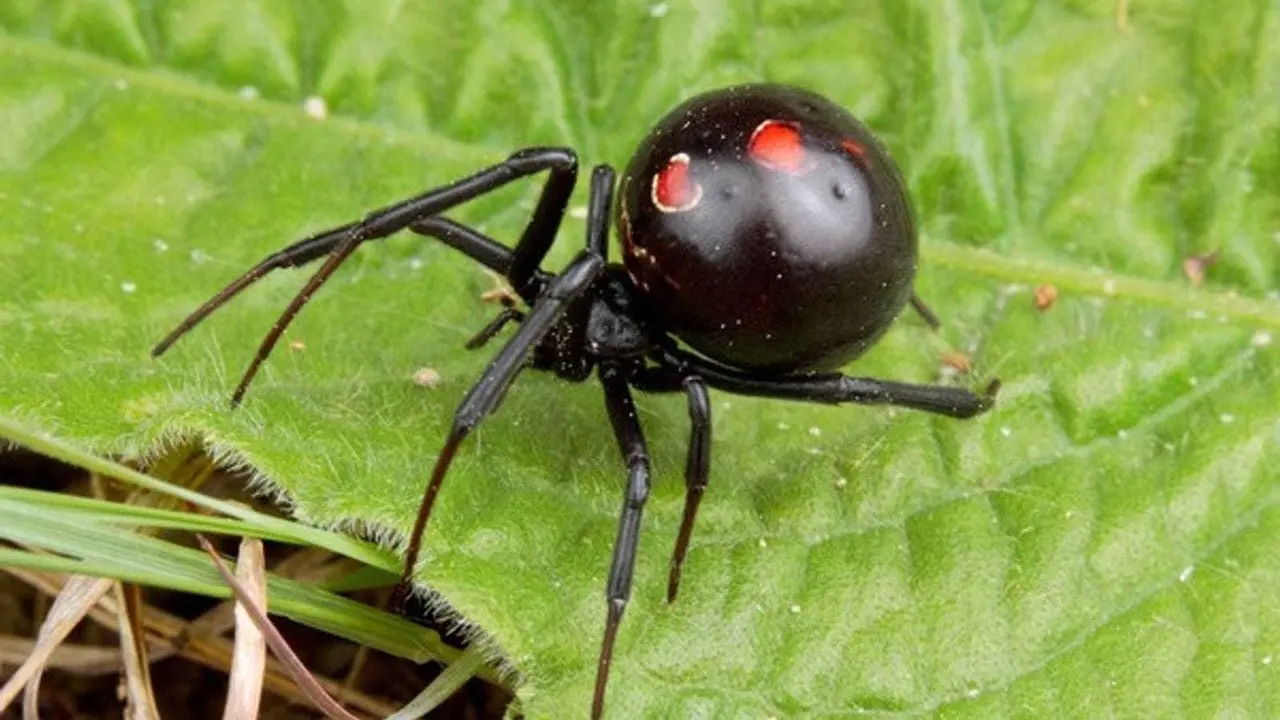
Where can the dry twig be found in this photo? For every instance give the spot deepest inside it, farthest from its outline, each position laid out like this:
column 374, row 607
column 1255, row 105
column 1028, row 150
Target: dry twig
column 74, row 600
column 279, row 647
column 133, row 648
column 248, row 664
column 164, row 631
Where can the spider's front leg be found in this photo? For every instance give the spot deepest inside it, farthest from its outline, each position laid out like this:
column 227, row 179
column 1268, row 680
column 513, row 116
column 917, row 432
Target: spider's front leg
column 416, row 213
column 552, row 307
column 485, row 396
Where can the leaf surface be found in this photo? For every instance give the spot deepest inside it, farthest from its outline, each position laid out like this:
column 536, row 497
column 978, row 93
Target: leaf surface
column 1106, row 542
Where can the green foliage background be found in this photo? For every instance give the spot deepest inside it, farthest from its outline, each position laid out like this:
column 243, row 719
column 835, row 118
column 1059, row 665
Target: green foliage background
column 1107, row 542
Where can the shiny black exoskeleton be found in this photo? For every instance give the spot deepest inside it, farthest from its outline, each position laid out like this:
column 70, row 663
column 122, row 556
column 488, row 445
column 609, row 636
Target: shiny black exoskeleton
column 761, row 225
column 788, row 243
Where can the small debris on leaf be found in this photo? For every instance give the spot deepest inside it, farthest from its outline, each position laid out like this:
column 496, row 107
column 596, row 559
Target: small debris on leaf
column 1045, row 296
column 1194, row 266
column 426, row 377
column 956, row 361
column 501, row 292
column 297, row 345
column 316, row 107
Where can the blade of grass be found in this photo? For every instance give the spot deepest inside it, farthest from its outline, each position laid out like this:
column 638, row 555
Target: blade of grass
column 166, row 630
column 279, row 647
column 128, row 556
column 362, row 578
column 134, row 516
column 303, row 534
column 443, row 687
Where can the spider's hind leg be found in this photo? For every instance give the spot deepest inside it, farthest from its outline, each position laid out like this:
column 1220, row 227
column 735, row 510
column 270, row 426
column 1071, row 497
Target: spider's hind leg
column 835, row 389
column 925, row 312
column 697, row 468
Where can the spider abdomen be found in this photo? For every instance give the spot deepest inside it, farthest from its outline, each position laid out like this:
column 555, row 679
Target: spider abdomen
column 767, row 228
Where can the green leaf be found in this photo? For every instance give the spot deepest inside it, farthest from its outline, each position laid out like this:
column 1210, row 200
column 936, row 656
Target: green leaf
column 126, row 555
column 1107, row 541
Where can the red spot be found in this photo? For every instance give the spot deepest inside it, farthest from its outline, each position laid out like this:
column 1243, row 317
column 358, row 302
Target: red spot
column 777, row 144
column 854, row 149
column 673, row 189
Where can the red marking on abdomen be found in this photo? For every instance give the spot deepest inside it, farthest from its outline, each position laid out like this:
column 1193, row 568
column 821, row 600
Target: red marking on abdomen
column 854, row 149
column 777, row 144
column 673, row 190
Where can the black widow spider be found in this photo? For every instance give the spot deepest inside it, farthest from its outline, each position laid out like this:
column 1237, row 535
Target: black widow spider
column 761, row 225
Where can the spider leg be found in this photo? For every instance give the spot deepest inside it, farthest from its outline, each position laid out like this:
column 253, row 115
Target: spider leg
column 598, row 205
column 835, row 388
column 478, row 247
column 339, row 256
column 540, row 233
column 697, row 469
column 925, row 312
column 295, row 255
column 485, row 396
column 341, row 241
column 472, row 243
column 602, row 195
column 549, row 308
column 494, row 327
column 626, row 427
